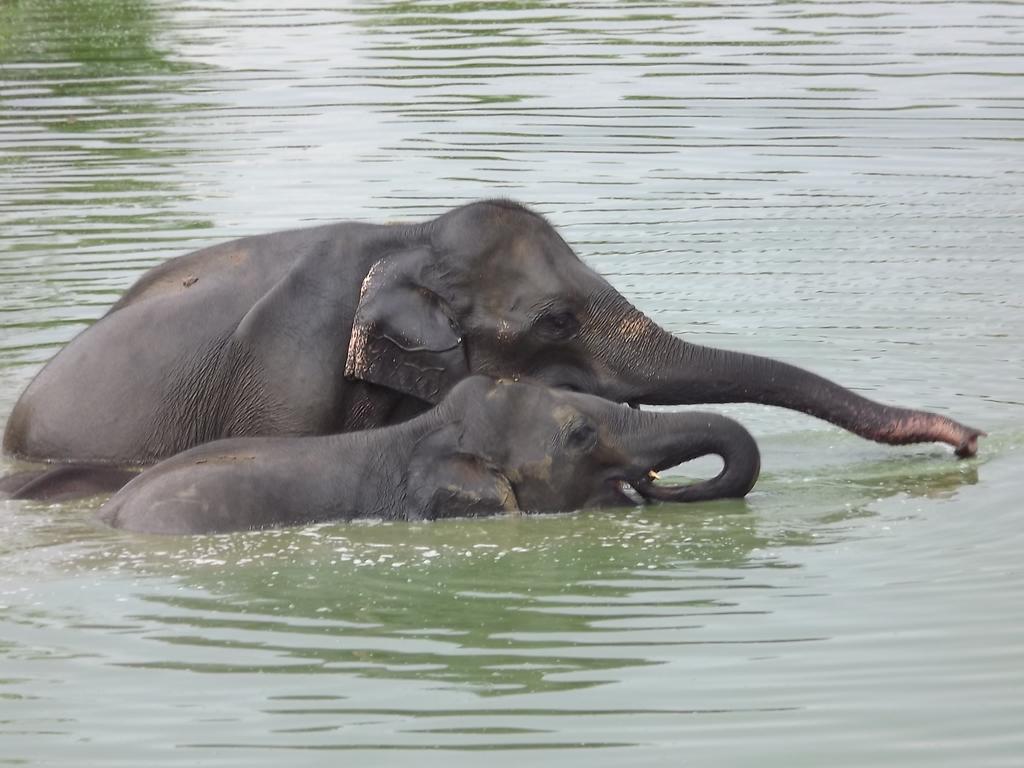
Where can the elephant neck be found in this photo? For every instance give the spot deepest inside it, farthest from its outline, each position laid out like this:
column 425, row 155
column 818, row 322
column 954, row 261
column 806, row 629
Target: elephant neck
column 370, row 468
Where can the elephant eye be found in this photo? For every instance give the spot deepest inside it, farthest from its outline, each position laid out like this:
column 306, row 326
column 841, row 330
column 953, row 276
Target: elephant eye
column 559, row 325
column 581, row 436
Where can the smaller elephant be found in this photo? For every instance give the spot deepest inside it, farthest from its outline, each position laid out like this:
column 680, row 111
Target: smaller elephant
column 490, row 447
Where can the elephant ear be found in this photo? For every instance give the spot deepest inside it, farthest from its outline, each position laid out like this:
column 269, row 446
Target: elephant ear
column 446, row 482
column 404, row 335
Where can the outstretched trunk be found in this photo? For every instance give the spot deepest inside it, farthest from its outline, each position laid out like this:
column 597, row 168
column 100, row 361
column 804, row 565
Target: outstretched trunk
column 689, row 373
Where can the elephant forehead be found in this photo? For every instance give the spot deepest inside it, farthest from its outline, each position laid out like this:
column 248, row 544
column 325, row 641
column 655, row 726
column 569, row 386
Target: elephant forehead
column 564, row 414
column 526, row 267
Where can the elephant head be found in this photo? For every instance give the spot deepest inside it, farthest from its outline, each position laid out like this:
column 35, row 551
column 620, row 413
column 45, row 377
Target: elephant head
column 519, row 445
column 492, row 288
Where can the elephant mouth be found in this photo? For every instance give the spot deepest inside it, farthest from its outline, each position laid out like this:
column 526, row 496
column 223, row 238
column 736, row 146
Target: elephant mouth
column 624, row 494
column 648, row 489
column 637, row 491
column 640, row 489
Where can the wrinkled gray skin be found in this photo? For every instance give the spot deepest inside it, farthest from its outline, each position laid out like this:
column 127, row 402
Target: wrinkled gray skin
column 490, row 447
column 349, row 326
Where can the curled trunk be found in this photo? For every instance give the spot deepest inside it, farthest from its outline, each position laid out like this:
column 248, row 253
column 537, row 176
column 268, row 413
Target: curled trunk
column 666, row 440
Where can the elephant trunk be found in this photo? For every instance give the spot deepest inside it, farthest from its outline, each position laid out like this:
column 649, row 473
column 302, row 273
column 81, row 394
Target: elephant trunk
column 668, row 439
column 691, row 373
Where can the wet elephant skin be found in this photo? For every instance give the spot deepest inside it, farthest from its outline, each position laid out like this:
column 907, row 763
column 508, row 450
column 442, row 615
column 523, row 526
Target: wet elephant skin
column 348, row 326
column 490, row 447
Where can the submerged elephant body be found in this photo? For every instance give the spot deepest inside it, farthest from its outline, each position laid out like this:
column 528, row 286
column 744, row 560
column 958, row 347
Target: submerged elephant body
column 349, row 326
column 207, row 346
column 490, row 447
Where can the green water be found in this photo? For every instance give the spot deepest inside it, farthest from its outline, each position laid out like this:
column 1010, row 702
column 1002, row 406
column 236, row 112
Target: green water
column 835, row 184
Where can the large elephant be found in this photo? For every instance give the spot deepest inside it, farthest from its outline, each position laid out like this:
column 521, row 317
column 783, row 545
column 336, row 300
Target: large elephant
column 490, row 447
column 347, row 326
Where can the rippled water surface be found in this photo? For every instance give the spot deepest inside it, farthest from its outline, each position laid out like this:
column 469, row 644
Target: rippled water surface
column 836, row 184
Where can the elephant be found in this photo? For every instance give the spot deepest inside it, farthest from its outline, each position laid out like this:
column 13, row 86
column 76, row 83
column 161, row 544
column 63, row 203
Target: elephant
column 353, row 325
column 490, row 447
